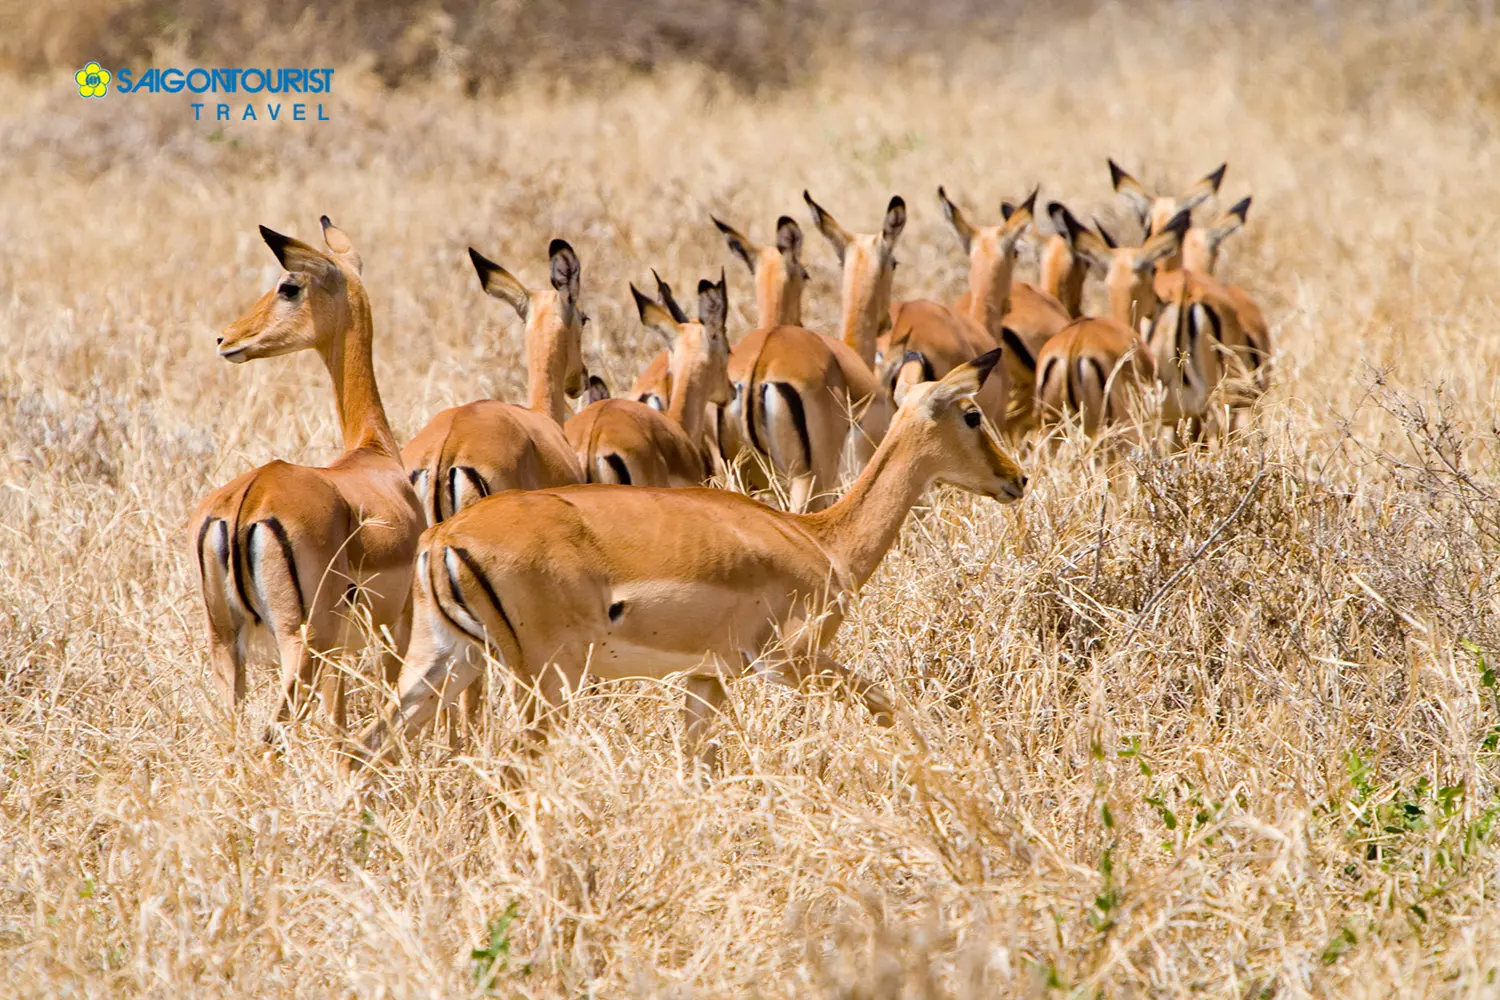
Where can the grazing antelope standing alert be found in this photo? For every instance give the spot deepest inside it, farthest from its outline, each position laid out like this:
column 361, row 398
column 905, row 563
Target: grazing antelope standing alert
column 798, row 395
column 468, row 452
column 1094, row 362
column 296, row 551
column 627, row 442
column 615, row 582
column 779, row 280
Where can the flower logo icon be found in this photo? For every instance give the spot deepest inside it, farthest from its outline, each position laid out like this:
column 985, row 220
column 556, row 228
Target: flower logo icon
column 93, row 80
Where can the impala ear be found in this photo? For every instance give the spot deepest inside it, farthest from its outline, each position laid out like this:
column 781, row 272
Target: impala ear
column 566, row 270
column 597, row 389
column 500, row 283
column 1020, row 217
column 913, row 370
column 654, row 316
column 339, row 242
column 1165, row 243
column 789, row 237
column 1130, row 189
column 1232, row 219
column 664, row 290
column 963, row 381
column 956, row 219
column 1015, row 345
column 738, row 245
column 713, row 304
column 1206, row 187
column 829, row 227
column 1083, row 241
column 895, row 221
column 295, row 255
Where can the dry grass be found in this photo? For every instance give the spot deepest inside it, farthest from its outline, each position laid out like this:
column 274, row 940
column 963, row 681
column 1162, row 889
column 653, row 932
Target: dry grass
column 1217, row 723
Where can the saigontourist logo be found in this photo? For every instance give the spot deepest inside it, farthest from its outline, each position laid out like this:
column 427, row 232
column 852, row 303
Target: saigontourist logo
column 230, row 82
column 92, row 80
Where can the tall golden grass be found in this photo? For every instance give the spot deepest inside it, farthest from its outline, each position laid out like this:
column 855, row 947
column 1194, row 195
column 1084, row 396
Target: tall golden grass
column 1216, row 722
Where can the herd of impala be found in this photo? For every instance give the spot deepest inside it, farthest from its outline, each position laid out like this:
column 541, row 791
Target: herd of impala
column 570, row 545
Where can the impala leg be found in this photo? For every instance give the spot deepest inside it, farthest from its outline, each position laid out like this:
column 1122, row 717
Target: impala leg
column 874, row 696
column 433, row 677
column 227, row 654
column 801, row 492
column 298, row 667
column 226, row 628
column 392, row 657
column 542, row 696
column 705, row 696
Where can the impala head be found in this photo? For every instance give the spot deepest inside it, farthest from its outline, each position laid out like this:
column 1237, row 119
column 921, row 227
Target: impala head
column 1155, row 211
column 554, row 321
column 1200, row 247
column 869, row 263
column 778, row 271
column 991, row 249
column 307, row 308
column 699, row 351
column 942, row 425
column 1128, row 271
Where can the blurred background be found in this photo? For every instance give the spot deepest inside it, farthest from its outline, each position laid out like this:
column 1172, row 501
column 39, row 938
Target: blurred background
column 484, row 44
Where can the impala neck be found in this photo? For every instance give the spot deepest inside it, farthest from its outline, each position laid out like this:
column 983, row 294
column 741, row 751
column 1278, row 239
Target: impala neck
column 351, row 364
column 778, row 298
column 544, row 386
column 989, row 290
column 860, row 528
column 866, row 307
column 687, row 404
column 1062, row 276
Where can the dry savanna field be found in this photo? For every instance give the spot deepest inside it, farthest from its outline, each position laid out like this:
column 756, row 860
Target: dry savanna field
column 1222, row 721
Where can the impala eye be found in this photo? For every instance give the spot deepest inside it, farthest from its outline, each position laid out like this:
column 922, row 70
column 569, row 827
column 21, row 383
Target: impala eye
column 288, row 290
column 972, row 418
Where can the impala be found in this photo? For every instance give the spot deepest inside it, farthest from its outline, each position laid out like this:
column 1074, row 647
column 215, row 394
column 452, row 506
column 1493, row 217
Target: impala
column 295, row 551
column 1156, row 210
column 779, row 280
column 799, row 396
column 468, row 452
column 1095, row 361
column 616, row 582
column 1250, row 344
column 948, row 336
column 627, row 442
column 1200, row 247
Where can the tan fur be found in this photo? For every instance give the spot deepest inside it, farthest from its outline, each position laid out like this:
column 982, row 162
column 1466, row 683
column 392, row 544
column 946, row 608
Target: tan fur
column 1063, row 274
column 996, row 301
column 618, row 583
column 656, row 449
column 1156, row 210
column 1090, row 368
column 468, row 452
column 350, row 529
column 833, row 380
column 1075, row 370
column 779, row 280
